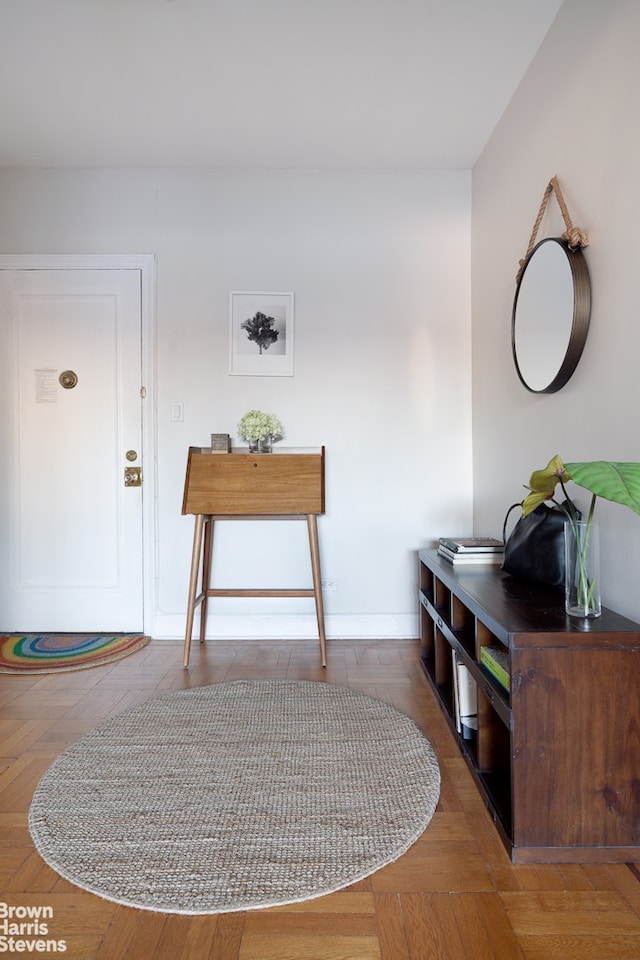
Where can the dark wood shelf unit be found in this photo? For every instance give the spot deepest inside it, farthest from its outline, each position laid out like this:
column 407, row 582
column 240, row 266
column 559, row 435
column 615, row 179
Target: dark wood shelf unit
column 557, row 757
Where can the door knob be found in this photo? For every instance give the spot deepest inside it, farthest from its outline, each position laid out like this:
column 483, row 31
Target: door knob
column 133, row 476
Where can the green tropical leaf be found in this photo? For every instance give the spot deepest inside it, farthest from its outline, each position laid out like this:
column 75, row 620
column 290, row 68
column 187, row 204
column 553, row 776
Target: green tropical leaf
column 619, row 482
column 542, row 485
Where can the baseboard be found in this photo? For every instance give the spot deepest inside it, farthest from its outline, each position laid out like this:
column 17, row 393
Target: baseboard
column 290, row 627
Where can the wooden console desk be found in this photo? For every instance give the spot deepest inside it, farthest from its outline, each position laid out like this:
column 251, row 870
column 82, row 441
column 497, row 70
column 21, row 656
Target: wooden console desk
column 284, row 485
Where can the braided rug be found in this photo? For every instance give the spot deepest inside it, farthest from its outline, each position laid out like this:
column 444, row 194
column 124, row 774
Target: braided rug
column 235, row 796
column 61, row 652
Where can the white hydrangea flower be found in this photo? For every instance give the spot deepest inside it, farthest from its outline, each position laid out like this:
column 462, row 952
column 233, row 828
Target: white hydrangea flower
column 256, row 425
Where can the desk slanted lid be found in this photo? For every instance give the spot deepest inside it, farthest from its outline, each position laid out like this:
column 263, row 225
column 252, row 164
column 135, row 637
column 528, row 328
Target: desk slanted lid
column 243, row 484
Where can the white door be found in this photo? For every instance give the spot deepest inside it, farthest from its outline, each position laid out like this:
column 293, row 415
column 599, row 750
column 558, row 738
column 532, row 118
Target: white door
column 70, row 423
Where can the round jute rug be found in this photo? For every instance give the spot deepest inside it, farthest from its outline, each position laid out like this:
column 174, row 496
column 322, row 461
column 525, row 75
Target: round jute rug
column 235, row 796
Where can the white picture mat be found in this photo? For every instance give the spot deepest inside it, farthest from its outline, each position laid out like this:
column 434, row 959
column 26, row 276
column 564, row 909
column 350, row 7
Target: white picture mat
column 245, row 357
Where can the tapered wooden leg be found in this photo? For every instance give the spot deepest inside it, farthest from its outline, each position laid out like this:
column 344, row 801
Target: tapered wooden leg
column 193, row 585
column 317, row 583
column 206, row 575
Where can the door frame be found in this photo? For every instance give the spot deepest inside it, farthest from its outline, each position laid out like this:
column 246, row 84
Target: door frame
column 146, row 264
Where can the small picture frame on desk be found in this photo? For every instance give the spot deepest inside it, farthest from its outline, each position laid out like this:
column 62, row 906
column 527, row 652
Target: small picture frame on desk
column 261, row 334
column 220, row 443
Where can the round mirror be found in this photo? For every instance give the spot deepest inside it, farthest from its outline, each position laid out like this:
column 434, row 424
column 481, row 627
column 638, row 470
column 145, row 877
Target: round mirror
column 550, row 316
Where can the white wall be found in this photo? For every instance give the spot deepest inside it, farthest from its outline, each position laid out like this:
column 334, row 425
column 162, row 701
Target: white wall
column 574, row 116
column 379, row 265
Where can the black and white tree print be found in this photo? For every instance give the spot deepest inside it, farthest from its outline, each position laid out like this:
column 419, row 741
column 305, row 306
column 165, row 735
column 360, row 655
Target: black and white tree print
column 261, row 330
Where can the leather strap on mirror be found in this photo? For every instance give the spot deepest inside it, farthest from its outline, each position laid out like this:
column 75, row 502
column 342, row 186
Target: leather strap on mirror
column 574, row 237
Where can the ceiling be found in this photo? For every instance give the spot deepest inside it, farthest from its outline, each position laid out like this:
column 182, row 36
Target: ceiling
column 390, row 84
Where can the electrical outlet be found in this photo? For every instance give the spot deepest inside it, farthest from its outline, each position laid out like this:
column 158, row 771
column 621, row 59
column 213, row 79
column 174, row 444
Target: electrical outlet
column 329, row 584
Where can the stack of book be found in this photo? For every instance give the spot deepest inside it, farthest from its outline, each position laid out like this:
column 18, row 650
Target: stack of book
column 496, row 661
column 471, row 549
column 465, row 700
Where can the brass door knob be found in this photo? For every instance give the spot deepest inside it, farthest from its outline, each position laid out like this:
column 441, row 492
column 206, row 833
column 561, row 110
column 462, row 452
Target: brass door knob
column 133, row 476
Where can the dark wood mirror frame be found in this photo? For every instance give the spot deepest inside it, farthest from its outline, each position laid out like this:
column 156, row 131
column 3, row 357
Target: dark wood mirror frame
column 570, row 350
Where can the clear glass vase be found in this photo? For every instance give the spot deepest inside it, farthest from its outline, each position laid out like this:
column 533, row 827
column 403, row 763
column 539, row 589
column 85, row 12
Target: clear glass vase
column 261, row 446
column 582, row 568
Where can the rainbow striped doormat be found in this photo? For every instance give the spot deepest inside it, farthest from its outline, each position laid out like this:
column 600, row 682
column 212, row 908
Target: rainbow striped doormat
column 54, row 652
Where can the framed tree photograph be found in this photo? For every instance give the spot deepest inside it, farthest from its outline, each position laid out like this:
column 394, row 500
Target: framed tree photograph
column 261, row 334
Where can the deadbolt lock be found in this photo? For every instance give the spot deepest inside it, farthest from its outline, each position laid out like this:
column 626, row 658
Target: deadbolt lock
column 133, row 476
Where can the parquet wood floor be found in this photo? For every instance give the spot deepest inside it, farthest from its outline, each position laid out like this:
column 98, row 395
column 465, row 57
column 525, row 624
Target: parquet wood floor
column 453, row 896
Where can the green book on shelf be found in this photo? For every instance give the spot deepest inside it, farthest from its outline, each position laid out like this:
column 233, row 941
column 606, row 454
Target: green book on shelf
column 496, row 661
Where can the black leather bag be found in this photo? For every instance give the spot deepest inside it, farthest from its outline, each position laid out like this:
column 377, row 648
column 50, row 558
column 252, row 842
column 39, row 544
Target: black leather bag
column 534, row 549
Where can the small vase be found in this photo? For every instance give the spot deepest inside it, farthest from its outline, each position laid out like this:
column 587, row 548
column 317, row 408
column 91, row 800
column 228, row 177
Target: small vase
column 260, row 446
column 582, row 569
